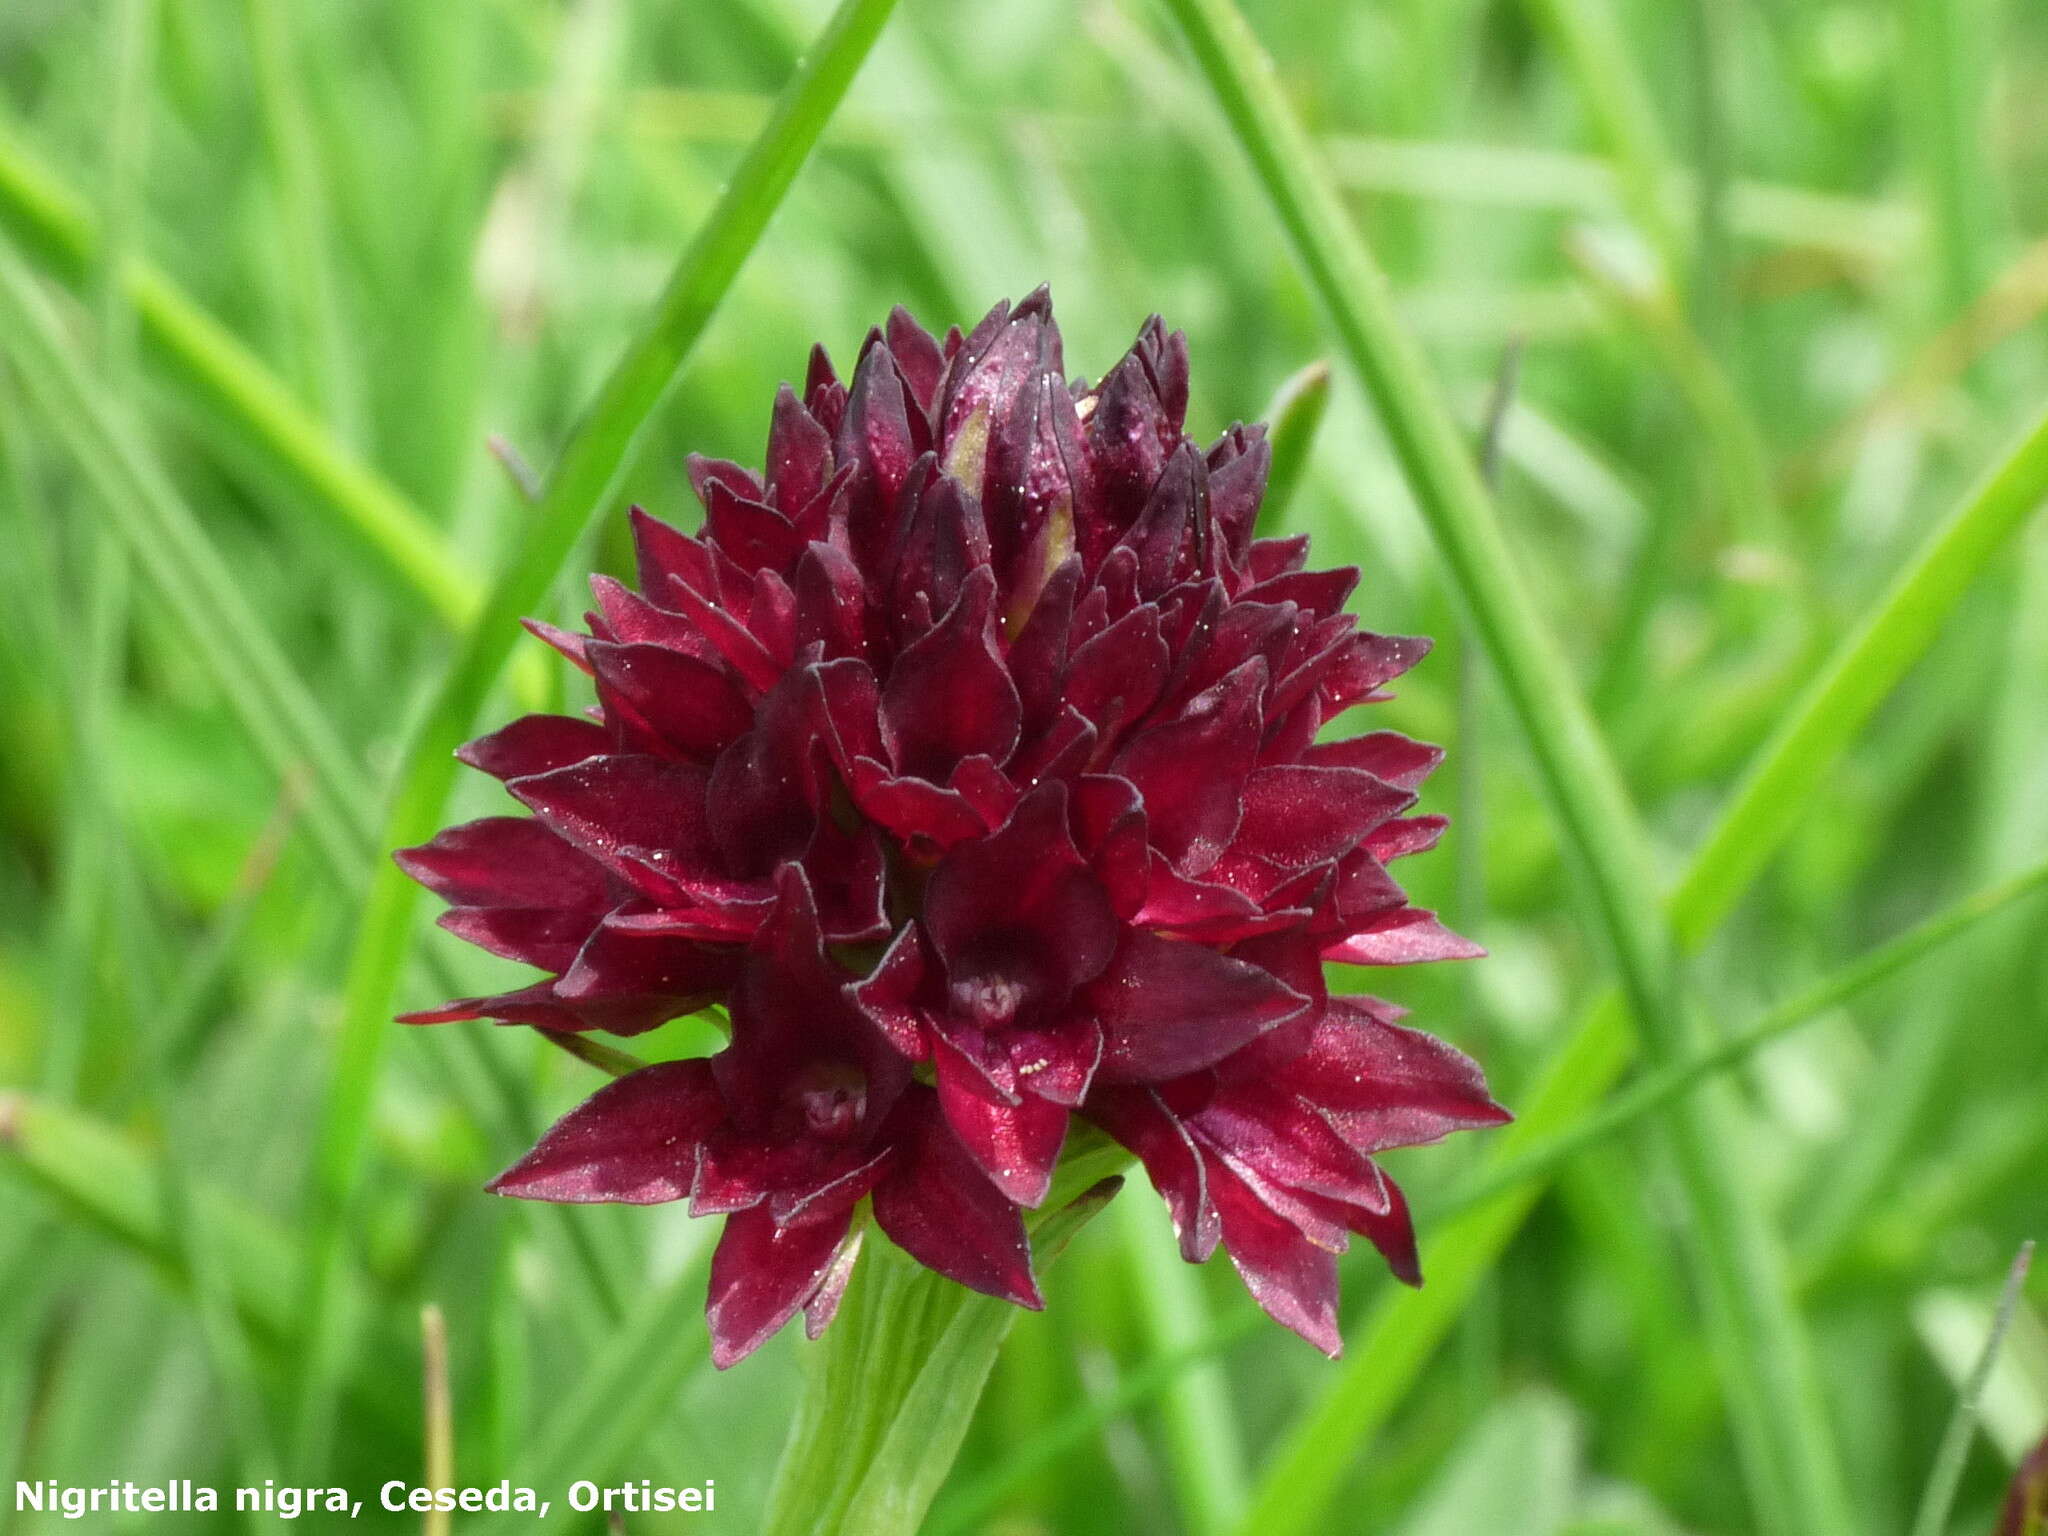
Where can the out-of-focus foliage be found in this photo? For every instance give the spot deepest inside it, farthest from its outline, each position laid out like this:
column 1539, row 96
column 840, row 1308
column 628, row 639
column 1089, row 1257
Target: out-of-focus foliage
column 1778, row 280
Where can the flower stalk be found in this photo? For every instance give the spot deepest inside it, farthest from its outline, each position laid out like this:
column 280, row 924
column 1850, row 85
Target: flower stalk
column 890, row 1391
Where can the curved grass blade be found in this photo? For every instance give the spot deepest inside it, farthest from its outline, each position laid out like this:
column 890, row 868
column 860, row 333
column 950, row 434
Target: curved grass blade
column 276, row 710
column 211, row 365
column 631, row 1381
column 304, row 225
column 1894, row 633
column 1618, row 100
column 1797, row 1483
column 1204, row 1446
column 577, row 493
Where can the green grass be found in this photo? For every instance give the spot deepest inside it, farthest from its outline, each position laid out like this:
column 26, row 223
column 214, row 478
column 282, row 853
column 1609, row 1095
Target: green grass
column 1746, row 653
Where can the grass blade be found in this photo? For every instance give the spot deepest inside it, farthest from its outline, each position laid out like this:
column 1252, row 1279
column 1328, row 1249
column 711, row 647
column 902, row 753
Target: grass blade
column 304, row 224
column 1205, row 1450
column 1894, row 633
column 631, row 1381
column 285, row 723
column 1667, row 1083
column 1947, row 1476
column 1614, row 94
column 1297, row 410
column 1798, row 1485
column 577, row 493
column 214, row 367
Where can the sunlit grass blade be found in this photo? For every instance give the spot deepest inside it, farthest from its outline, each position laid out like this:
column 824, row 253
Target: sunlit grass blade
column 1894, row 632
column 1588, row 34
column 237, row 388
column 1737, row 458
column 576, row 494
column 1945, row 59
column 1797, row 1483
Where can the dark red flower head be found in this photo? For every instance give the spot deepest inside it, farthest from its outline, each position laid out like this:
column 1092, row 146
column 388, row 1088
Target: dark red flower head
column 970, row 755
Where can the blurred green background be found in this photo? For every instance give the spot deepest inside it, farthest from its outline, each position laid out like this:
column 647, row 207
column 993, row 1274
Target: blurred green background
column 1777, row 271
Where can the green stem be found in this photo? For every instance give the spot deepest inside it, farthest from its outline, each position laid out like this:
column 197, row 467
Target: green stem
column 893, row 1384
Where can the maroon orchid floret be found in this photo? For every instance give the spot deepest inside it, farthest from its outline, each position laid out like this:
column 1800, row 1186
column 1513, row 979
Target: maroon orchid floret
column 971, row 757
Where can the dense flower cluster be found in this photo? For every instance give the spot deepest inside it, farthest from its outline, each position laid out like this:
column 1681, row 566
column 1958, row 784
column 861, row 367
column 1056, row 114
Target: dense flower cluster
column 970, row 756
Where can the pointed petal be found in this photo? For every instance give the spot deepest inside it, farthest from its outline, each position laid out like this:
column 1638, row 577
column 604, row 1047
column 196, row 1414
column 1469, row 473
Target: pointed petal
column 1405, row 835
column 544, row 936
column 1296, row 815
column 1410, row 936
column 1140, row 1121
column 641, row 817
column 760, row 1275
column 939, row 1207
column 535, row 744
column 799, row 454
column 1016, row 1144
column 886, row 996
column 1292, row 1279
column 1117, row 676
column 1281, row 1137
column 1393, row 1233
column 1019, row 911
column 1192, row 770
column 1169, row 1008
column 1389, row 1086
column 1057, row 1063
column 949, row 695
column 824, row 1303
column 634, row 1141
column 505, row 861
column 751, row 531
column 670, row 700
column 1387, row 755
